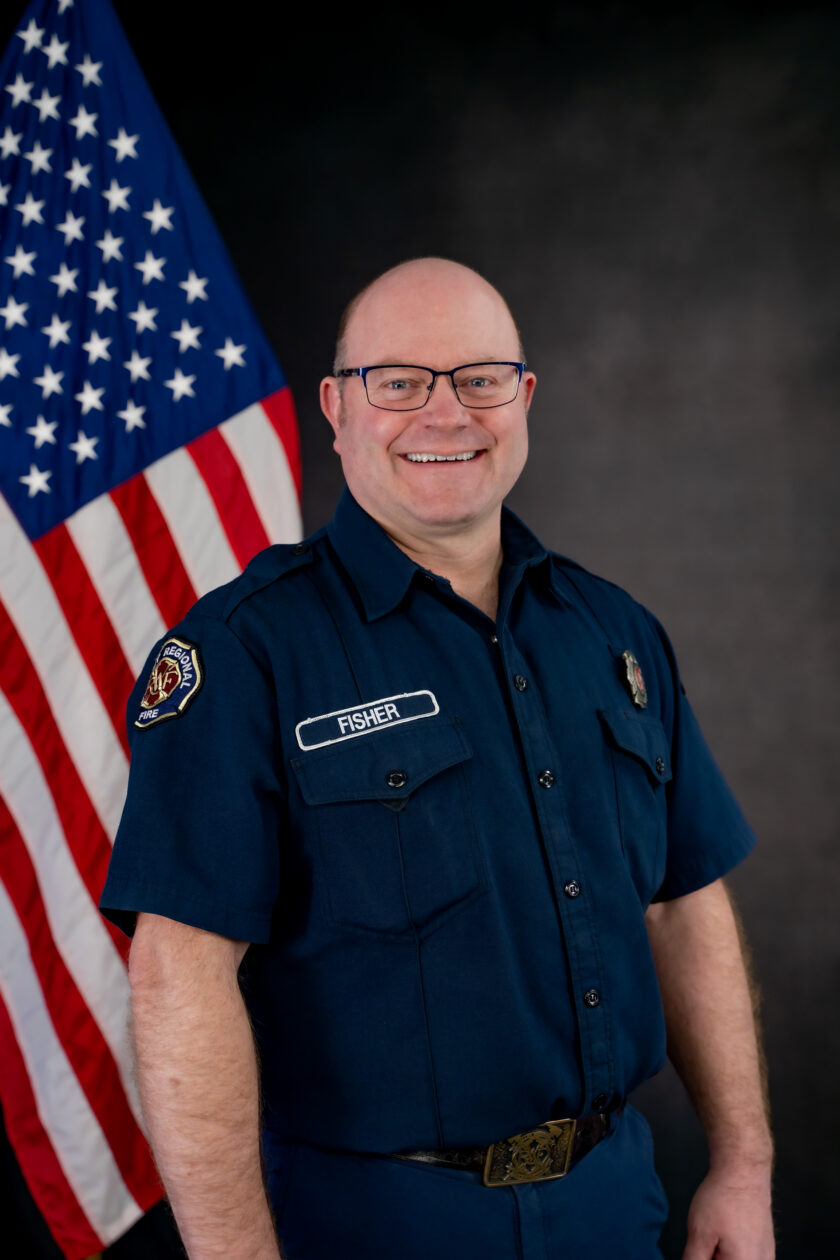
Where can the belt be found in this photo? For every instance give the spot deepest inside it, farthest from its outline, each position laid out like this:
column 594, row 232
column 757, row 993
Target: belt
column 539, row 1154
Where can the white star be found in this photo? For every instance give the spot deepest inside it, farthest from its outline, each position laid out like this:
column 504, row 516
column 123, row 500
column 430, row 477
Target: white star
column 125, row 145
column 138, row 367
column 64, row 4
column 133, row 416
column 116, row 197
column 21, row 262
column 78, row 175
column 151, row 267
column 39, row 157
column 84, row 447
column 43, row 431
column 194, row 287
column 50, row 382
column 187, row 337
column 46, row 106
column 8, row 364
column 144, row 317
column 83, row 122
column 103, row 297
column 19, row 91
column 89, row 70
column 65, row 279
column 110, row 246
column 5, row 422
column 57, row 330
column 71, row 227
column 13, row 314
column 10, row 142
column 56, row 52
column 31, row 36
column 36, row 480
column 90, row 398
column 97, row 347
column 180, row 385
column 160, row 217
column 30, row 209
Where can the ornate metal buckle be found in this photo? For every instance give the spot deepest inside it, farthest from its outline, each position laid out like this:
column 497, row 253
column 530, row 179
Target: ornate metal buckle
column 537, row 1155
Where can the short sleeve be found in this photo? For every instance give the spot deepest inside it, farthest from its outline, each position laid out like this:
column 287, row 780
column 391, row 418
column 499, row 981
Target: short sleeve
column 199, row 834
column 707, row 832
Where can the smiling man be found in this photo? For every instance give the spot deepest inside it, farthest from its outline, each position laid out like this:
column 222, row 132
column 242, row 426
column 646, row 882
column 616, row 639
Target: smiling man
column 455, row 847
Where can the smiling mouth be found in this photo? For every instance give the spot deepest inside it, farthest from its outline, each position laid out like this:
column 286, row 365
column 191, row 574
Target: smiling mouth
column 423, row 457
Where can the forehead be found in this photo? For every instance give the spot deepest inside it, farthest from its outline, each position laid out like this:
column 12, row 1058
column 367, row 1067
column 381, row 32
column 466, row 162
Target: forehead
column 439, row 319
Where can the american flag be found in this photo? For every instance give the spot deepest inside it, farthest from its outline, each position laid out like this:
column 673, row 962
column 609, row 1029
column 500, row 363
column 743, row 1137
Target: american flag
column 148, row 448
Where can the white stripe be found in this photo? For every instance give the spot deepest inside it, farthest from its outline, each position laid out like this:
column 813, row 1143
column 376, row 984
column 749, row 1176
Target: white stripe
column 80, row 1145
column 81, row 716
column 261, row 456
column 191, row 515
column 105, row 546
column 75, row 922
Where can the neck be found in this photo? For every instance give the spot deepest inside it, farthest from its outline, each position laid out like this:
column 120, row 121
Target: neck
column 470, row 563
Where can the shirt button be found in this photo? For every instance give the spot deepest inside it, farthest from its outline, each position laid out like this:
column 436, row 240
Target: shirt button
column 545, row 778
column 660, row 765
column 520, row 682
column 396, row 778
column 429, row 577
column 599, row 1102
column 300, row 549
column 571, row 888
column 494, row 638
column 591, row 998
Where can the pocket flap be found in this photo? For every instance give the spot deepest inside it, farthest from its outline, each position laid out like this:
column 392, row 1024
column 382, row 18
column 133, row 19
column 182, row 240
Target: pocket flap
column 383, row 765
column 643, row 736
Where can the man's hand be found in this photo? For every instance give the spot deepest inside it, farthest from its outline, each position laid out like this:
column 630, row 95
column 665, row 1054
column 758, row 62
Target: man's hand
column 713, row 1045
column 730, row 1219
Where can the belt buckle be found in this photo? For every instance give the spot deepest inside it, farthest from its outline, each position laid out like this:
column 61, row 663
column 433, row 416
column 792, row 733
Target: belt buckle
column 539, row 1154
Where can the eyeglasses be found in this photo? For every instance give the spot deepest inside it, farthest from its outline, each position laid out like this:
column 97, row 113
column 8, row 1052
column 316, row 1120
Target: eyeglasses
column 406, row 387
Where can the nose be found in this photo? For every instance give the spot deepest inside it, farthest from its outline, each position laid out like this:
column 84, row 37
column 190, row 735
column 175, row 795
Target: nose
column 443, row 406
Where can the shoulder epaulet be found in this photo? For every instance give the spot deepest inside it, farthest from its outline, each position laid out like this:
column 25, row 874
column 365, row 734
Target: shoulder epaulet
column 267, row 567
column 608, row 602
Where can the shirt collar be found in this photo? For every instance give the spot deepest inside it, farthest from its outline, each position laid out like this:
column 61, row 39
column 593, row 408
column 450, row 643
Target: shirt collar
column 382, row 573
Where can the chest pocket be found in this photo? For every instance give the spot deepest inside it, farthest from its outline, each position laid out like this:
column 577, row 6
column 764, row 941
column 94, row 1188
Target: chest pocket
column 641, row 760
column 396, row 842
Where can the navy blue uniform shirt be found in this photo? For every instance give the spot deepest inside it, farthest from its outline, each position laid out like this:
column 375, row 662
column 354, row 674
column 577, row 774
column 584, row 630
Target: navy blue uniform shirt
column 440, row 834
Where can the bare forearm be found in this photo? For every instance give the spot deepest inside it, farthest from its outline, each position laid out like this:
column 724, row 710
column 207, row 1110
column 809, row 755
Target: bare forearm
column 712, row 1037
column 198, row 1082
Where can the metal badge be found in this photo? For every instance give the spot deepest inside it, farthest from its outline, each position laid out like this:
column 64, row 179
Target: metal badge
column 635, row 679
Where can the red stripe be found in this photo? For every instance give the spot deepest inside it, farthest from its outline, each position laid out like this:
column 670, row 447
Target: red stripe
column 222, row 475
column 156, row 551
column 280, row 410
column 47, row 1183
column 83, row 1043
column 86, row 837
column 89, row 623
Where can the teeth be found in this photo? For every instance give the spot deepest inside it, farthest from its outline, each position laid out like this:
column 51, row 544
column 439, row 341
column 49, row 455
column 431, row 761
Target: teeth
column 441, row 459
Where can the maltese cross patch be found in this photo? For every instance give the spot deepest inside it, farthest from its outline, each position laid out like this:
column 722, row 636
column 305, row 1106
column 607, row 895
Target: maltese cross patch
column 174, row 682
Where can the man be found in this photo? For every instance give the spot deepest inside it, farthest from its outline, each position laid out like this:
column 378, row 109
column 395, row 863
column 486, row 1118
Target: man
column 446, row 791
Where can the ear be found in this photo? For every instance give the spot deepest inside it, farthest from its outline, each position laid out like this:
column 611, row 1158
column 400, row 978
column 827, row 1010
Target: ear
column 529, row 382
column 330, row 397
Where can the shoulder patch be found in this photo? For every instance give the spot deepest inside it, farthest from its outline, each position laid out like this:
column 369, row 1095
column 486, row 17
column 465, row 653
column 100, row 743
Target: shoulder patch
column 173, row 684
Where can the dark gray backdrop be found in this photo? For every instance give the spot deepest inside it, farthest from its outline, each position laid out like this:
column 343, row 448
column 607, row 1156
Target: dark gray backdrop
column 656, row 189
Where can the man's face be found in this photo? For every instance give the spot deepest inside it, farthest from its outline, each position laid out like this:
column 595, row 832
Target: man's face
column 436, row 315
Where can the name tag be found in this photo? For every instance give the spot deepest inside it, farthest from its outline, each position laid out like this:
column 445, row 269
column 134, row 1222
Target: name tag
column 364, row 719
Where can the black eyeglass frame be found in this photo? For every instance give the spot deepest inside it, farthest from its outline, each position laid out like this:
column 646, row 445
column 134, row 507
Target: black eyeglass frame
column 363, row 371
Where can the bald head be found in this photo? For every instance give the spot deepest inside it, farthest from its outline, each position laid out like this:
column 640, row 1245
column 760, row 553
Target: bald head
column 425, row 292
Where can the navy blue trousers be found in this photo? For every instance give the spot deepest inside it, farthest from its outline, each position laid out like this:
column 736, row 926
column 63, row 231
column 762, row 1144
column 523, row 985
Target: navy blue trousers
column 335, row 1206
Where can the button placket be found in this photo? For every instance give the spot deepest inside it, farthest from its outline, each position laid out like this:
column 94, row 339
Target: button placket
column 561, row 850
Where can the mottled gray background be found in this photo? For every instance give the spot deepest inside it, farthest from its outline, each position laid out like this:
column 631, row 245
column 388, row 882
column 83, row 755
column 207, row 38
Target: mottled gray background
column 656, row 189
